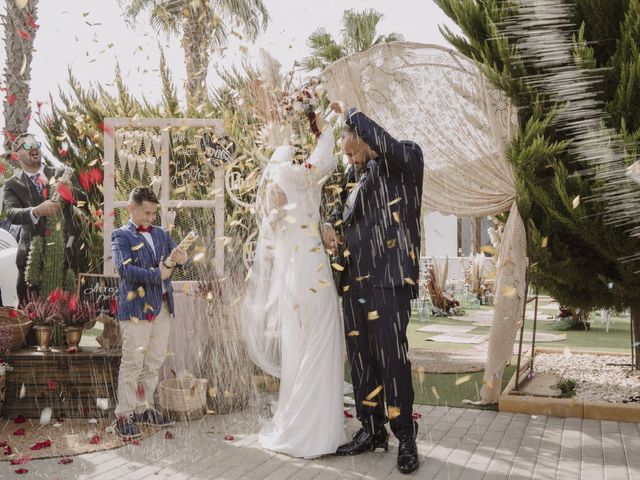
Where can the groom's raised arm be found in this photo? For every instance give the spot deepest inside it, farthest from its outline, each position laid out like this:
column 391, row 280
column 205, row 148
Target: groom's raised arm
column 399, row 157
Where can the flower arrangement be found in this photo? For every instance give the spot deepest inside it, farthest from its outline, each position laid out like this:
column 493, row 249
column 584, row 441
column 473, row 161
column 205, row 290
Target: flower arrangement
column 4, row 368
column 41, row 311
column 70, row 311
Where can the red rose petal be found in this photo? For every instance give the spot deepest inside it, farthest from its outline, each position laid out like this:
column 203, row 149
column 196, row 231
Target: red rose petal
column 347, row 414
column 14, row 314
column 20, row 471
column 21, row 460
column 8, row 451
column 149, row 316
column 53, row 385
column 229, row 437
column 65, row 461
column 20, row 419
column 95, row 439
column 417, row 416
column 65, row 192
column 168, row 435
column 11, row 99
column 36, row 446
column 140, row 391
column 19, row 432
column 3, row 444
column 13, row 157
column 24, row 35
column 107, row 130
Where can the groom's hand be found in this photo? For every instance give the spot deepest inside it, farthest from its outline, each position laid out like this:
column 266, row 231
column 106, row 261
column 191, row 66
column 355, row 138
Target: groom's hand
column 330, row 239
column 339, row 107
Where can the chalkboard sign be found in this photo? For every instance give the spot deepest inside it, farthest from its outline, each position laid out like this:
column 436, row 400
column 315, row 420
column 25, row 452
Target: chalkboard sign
column 101, row 291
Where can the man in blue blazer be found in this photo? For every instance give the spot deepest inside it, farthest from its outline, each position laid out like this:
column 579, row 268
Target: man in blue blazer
column 378, row 224
column 145, row 307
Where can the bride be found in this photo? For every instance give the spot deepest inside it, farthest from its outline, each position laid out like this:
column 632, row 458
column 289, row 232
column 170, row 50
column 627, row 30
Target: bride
column 291, row 314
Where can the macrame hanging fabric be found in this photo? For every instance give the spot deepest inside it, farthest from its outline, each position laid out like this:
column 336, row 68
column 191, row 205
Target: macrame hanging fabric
column 441, row 100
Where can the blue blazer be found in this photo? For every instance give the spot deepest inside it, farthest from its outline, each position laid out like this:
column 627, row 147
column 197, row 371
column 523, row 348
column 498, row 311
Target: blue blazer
column 137, row 264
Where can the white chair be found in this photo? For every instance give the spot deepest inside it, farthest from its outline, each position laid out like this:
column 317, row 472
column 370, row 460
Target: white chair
column 7, row 240
column 9, row 276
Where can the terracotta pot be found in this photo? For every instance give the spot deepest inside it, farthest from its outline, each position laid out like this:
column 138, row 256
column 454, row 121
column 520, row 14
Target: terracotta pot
column 73, row 335
column 43, row 336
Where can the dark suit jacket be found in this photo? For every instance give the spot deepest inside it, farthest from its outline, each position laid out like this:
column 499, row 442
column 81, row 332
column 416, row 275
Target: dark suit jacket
column 382, row 234
column 20, row 195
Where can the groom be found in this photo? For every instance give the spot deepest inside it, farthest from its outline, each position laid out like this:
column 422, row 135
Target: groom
column 378, row 224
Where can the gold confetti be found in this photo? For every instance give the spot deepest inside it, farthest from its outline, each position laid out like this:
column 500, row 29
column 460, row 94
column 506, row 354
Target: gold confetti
column 346, row 288
column 141, row 292
column 228, row 394
column 128, row 260
column 394, row 412
column 346, row 253
column 198, row 256
column 435, row 393
column 576, row 202
column 212, row 392
column 134, row 320
column 421, row 375
column 375, row 392
column 544, row 242
column 373, row 315
column 148, row 307
column 488, row 249
column 315, row 250
column 369, row 404
column 409, row 281
column 323, row 284
column 337, row 266
column 353, row 333
column 463, row 379
column 396, row 217
column 137, row 247
column 391, row 243
column 290, row 219
column 393, row 202
column 131, row 296
column 362, row 277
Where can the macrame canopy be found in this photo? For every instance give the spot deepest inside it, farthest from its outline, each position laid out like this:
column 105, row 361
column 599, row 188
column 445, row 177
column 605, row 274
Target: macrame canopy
column 440, row 99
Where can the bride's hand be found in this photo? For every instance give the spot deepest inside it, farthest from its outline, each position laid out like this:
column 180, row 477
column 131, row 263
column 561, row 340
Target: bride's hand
column 339, row 107
column 320, row 122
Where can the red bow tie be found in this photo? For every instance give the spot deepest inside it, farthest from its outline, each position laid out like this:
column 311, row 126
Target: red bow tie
column 144, row 229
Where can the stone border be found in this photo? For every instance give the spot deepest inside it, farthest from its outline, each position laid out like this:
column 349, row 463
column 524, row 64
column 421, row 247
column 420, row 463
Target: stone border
column 565, row 407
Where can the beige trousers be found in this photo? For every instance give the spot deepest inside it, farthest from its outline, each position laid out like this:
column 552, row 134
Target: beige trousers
column 144, row 348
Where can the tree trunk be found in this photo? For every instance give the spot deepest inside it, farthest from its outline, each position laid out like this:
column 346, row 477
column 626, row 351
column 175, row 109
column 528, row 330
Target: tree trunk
column 635, row 321
column 196, row 45
column 20, row 31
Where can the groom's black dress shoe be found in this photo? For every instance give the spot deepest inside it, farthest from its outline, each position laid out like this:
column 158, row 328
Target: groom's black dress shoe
column 364, row 441
column 408, row 453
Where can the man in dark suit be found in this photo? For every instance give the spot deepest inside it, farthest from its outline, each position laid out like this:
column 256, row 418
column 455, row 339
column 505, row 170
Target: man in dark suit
column 28, row 203
column 378, row 224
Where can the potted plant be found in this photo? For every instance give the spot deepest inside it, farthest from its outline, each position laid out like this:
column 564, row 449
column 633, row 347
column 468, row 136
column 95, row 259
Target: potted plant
column 43, row 313
column 75, row 316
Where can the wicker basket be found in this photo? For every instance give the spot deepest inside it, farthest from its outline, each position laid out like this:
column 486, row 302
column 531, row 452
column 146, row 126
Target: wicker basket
column 184, row 398
column 17, row 326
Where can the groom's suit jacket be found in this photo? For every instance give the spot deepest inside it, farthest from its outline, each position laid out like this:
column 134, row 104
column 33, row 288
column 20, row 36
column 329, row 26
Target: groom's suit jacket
column 137, row 264
column 382, row 233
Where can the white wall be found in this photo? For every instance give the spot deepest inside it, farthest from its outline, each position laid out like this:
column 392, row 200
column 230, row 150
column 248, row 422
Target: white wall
column 441, row 236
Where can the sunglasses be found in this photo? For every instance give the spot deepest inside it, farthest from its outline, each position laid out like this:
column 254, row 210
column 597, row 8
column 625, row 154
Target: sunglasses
column 31, row 146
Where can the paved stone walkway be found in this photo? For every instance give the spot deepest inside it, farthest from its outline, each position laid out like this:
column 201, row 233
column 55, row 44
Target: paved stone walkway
column 454, row 444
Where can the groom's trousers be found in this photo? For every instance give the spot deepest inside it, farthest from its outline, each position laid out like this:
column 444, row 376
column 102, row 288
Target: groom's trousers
column 376, row 321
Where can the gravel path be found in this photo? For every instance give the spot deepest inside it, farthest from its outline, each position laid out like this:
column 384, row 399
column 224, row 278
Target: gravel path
column 596, row 379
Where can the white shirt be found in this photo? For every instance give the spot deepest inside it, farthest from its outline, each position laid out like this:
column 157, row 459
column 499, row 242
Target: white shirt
column 149, row 239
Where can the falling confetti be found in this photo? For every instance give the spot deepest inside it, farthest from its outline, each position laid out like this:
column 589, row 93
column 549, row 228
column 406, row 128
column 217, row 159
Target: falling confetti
column 435, row 393
column 393, row 412
column 463, row 379
column 45, row 416
column 375, row 392
column 369, row 404
column 373, row 315
column 576, row 202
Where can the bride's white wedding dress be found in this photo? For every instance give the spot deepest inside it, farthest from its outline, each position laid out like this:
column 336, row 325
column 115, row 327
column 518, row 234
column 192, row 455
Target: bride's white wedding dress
column 291, row 313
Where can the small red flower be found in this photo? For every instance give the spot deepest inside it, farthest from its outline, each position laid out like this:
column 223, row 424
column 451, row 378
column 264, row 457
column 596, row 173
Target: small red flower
column 53, row 385
column 99, row 213
column 65, row 192
column 85, row 179
column 20, row 432
column 149, row 316
column 65, row 461
column 21, row 471
column 229, row 438
column 417, row 416
column 14, row 314
column 63, row 151
column 20, row 419
column 11, row 99
column 32, row 22
column 168, row 435
column 13, row 157
column 95, row 439
column 347, row 414
column 140, row 391
column 24, row 35
column 56, row 295
column 107, row 130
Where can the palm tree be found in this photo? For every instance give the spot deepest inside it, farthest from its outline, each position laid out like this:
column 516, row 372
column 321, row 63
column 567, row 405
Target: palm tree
column 358, row 34
column 204, row 25
column 19, row 32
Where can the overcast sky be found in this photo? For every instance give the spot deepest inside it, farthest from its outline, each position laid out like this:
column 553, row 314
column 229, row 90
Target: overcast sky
column 90, row 36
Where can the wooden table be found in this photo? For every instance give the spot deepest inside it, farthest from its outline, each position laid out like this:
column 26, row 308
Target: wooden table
column 69, row 383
